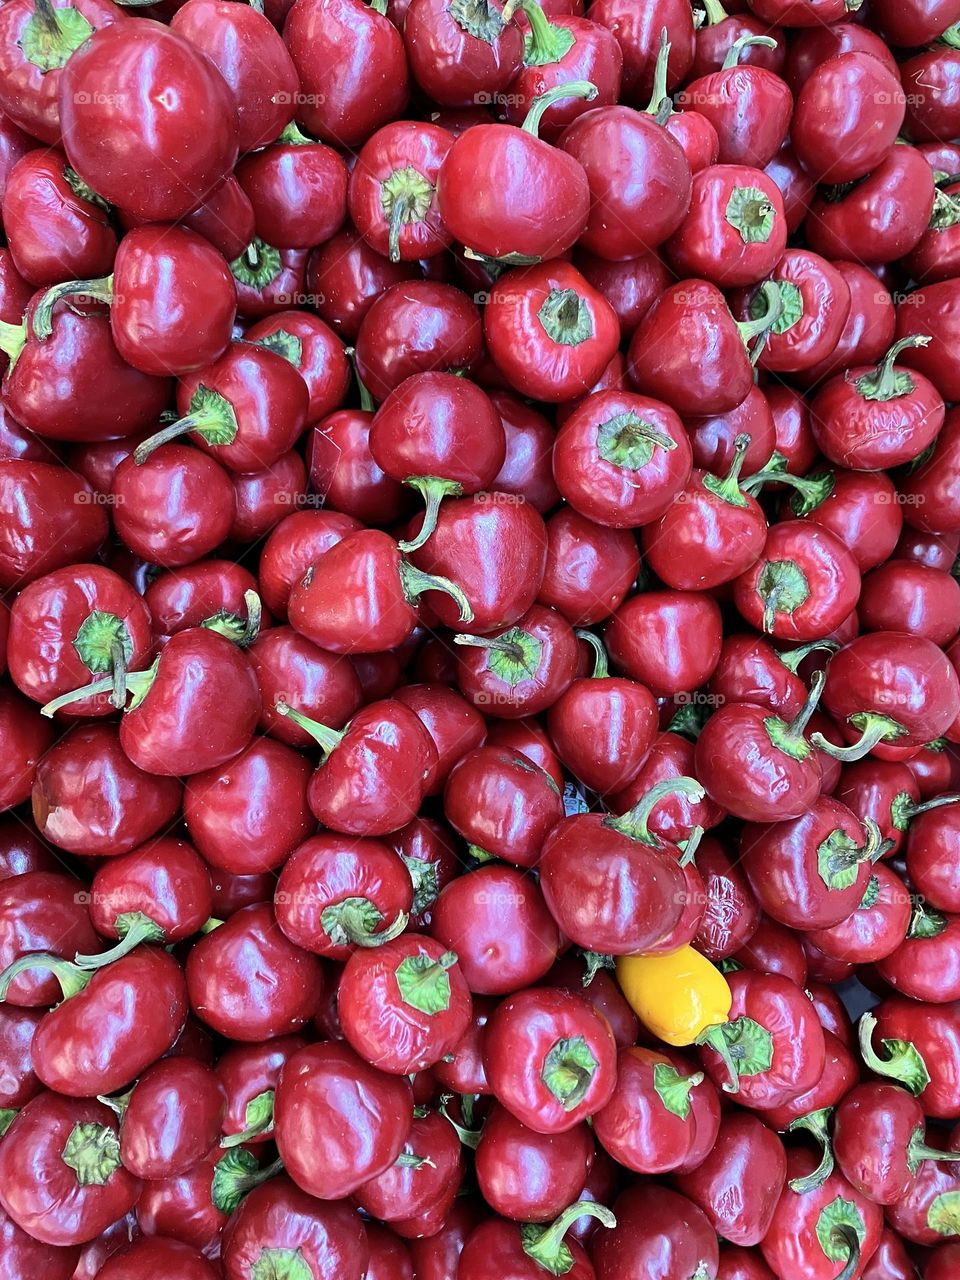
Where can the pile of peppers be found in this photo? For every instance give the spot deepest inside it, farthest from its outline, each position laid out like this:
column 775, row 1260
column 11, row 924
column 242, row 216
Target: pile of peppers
column 479, row 640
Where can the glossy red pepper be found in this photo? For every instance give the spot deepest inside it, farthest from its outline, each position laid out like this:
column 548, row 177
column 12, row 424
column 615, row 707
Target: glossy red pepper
column 461, row 56
column 394, row 201
column 840, row 143
column 63, row 1182
column 160, row 891
column 172, row 1118
column 249, row 982
column 502, row 804
column 748, row 1157
column 339, row 1121
column 529, row 1176
column 660, row 1112
column 658, row 1233
column 736, row 229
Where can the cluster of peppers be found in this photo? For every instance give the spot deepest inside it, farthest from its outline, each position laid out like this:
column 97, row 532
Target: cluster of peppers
column 479, row 698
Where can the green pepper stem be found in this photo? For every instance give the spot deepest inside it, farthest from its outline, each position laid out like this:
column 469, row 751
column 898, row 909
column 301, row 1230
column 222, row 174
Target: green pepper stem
column 329, row 739
column 761, row 326
column 733, row 53
column 876, row 730
column 881, row 384
column 659, row 96
column 135, row 682
column 601, row 668
column 415, row 582
column 575, row 89
column 71, row 979
column 433, row 490
column 799, row 723
column 633, row 824
column 688, row 848
column 100, row 290
column 545, row 1244
column 715, row 12
column 716, row 1040
column 13, row 338
column 367, row 402
column 134, row 928
column 815, row 1123
column 792, row 658
column 852, row 1241
column 182, row 427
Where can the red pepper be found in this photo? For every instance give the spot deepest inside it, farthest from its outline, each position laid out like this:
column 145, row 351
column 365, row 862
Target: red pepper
column 735, row 232
column 62, row 1179
column 524, row 1253
column 660, row 1112
column 171, row 1118
column 428, row 1168
column 502, row 804
column 464, row 55
column 529, row 1176
column 550, row 1059
column 840, row 143
column 248, row 981
column 393, row 191
column 748, row 1157
column 658, row 1232
column 403, row 1005
column 549, row 331
column 339, row 1121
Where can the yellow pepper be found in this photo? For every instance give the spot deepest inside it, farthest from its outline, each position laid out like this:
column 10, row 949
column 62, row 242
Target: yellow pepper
column 677, row 995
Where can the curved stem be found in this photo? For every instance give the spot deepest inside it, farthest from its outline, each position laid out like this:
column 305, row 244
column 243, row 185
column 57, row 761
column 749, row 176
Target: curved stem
column 716, row 1040
column 876, row 730
column 575, row 89
column 905, row 1063
column 761, row 326
column 433, row 490
column 815, row 1123
column 367, row 402
column 415, row 582
column 545, row 1244
column 100, row 290
column 72, row 980
column 688, row 848
column 799, row 723
column 728, row 487
column 911, row 811
column 182, row 427
column 134, row 928
column 852, row 1241
column 633, row 824
column 601, row 668
column 135, row 682
column 329, row 739
column 883, row 383
column 715, row 12
column 469, row 1137
column 13, row 338
column 792, row 658
column 733, row 53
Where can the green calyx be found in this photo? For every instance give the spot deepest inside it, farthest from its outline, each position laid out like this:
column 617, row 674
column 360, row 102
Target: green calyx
column 943, row 1216
column 281, row 1264
column 405, row 198
column 575, row 89
column 870, row 894
column 733, row 53
column 903, row 1062
column 634, row 823
column 103, row 643
column 512, row 657
column 566, row 318
column 874, row 728
column 545, row 1244
column 356, row 922
column 809, row 492
column 293, row 136
column 433, row 490
column 84, row 291
column 285, row 344
column 788, row 736
column 887, row 382
column 950, row 37
column 751, row 214
column 236, row 1174
column 593, row 963
column 946, row 212
column 209, row 415
column 689, row 719
column 568, row 1071
column 791, row 311
column 240, row 631
column 839, row 857
column 545, row 42
column 7, row 1117
column 758, row 330
column 782, row 587
column 82, row 190
column 257, row 1120
column 424, row 984
column 925, row 922
column 51, row 35
column 13, row 338
column 816, row 1124
column 628, row 441
column 745, row 1047
column 426, row 883
column 840, row 1230
column 478, row 18
column 92, row 1151
column 673, row 1088
column 727, row 488
column 258, row 265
